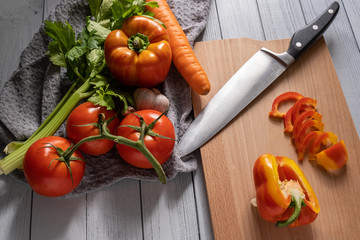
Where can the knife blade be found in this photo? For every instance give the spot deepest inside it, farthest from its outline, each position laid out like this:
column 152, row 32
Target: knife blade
column 249, row 81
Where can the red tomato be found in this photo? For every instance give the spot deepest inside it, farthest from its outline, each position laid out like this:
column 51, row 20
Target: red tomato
column 85, row 114
column 161, row 148
column 52, row 180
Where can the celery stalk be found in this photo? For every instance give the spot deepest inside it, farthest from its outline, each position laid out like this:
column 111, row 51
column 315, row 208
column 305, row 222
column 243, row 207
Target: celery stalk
column 52, row 124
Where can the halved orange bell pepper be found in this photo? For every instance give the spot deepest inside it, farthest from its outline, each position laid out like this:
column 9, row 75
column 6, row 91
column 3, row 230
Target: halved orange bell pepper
column 334, row 157
column 283, row 194
column 282, row 98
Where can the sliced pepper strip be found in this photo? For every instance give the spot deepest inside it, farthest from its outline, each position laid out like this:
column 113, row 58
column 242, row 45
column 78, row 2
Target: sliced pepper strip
column 279, row 182
column 308, row 114
column 311, row 136
column 333, row 157
column 321, row 140
column 282, row 98
column 303, row 129
column 298, row 105
column 288, row 123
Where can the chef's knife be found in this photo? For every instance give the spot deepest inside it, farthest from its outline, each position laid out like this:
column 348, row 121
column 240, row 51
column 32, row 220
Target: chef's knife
column 249, row 81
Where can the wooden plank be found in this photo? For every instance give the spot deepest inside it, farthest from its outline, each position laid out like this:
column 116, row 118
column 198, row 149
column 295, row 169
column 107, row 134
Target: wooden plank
column 58, row 218
column 18, row 23
column 239, row 19
column 230, row 182
column 344, row 52
column 280, row 18
column 352, row 9
column 15, row 209
column 115, row 212
column 169, row 210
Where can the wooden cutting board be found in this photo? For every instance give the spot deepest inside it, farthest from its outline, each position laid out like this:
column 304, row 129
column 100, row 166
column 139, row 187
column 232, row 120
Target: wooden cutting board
column 229, row 157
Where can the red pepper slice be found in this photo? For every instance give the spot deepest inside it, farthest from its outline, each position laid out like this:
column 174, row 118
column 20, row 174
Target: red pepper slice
column 282, row 98
column 333, row 157
column 298, row 105
column 311, row 136
column 321, row 140
column 308, row 114
column 303, row 129
column 288, row 123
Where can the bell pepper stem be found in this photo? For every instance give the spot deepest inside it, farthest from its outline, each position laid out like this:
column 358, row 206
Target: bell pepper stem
column 297, row 200
column 138, row 42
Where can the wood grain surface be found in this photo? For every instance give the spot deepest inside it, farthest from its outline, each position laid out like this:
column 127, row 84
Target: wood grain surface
column 228, row 158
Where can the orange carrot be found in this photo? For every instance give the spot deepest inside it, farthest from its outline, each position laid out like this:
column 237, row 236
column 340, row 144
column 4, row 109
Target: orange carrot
column 183, row 56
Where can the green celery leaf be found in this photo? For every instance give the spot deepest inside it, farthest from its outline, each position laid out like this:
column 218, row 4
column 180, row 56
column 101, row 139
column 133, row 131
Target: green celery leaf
column 55, row 54
column 101, row 98
column 106, row 23
column 96, row 62
column 124, row 9
column 99, row 81
column 152, row 4
column 104, row 10
column 90, row 40
column 105, row 96
column 83, row 36
column 76, row 52
column 117, row 9
column 95, row 7
column 63, row 33
column 97, row 29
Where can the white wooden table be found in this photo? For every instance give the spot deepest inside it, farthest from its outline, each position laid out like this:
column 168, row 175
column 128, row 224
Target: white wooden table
column 132, row 209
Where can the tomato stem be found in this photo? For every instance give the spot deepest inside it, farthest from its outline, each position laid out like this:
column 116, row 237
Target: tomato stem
column 138, row 145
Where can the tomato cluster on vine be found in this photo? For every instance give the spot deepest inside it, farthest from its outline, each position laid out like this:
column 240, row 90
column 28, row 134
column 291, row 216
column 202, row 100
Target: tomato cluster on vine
column 54, row 166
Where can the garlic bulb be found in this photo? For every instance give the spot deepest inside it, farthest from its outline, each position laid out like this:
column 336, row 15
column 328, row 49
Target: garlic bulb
column 146, row 98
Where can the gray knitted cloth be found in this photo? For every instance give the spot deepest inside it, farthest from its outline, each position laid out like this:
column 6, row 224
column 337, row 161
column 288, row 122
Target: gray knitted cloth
column 37, row 86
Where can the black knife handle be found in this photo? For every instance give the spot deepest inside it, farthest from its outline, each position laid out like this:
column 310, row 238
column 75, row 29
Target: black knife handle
column 308, row 35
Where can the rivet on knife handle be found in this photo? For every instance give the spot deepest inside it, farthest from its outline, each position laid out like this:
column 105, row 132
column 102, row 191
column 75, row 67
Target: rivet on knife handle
column 308, row 35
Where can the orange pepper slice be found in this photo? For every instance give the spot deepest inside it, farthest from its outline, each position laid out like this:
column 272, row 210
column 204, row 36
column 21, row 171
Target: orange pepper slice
column 282, row 98
column 334, row 157
column 321, row 140
column 304, row 128
column 297, row 106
